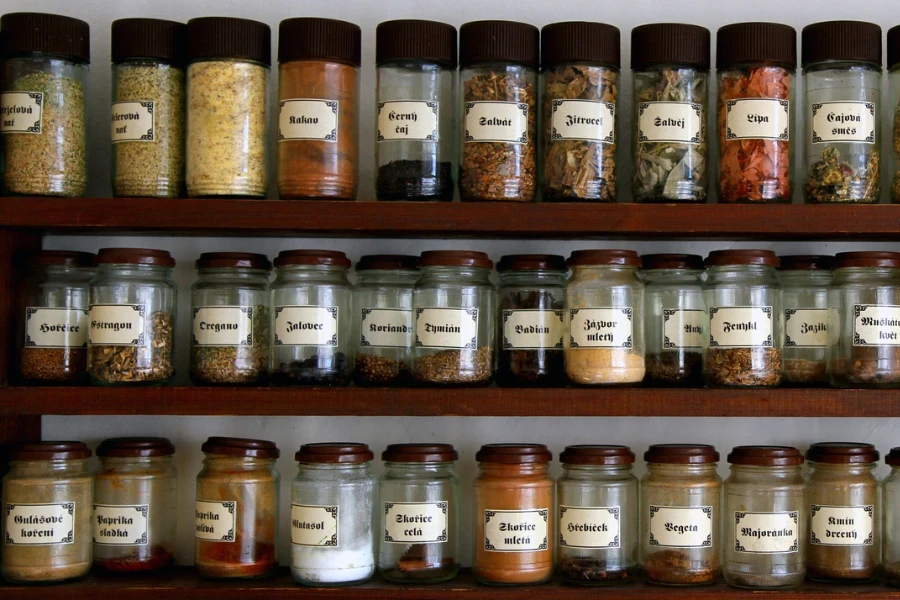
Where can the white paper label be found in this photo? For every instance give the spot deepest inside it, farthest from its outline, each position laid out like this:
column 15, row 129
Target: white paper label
column 682, row 328
column 533, row 329
column 306, row 325
column 56, row 327
column 582, row 527
column 490, row 121
column 740, row 327
column 843, row 122
column 446, row 327
column 133, row 121
column 314, row 525
column 588, row 120
column 757, row 119
column 601, row 328
column 223, row 326
column 418, row 523
column 677, row 122
column 681, row 526
column 307, row 119
column 407, row 120
column 806, row 327
column 876, row 325
column 21, row 112
column 117, row 325
column 40, row 524
column 841, row 525
column 516, row 530
column 121, row 525
column 766, row 533
column 386, row 328
column 214, row 521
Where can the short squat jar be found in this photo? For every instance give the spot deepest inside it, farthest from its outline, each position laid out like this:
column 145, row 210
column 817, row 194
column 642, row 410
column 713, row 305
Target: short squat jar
column 311, row 319
column 332, row 518
column 597, row 499
column 419, row 507
column 844, row 513
column 893, row 63
column 681, row 500
column 135, row 505
column 48, row 495
column 604, row 337
column 805, row 280
column 455, row 305
column 765, row 518
column 891, row 518
column 132, row 320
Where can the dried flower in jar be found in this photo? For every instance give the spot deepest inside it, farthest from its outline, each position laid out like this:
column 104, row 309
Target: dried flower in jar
column 833, row 179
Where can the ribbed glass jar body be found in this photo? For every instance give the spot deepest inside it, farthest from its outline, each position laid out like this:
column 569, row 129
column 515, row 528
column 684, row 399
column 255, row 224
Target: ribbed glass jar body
column 894, row 83
column 675, row 324
column 891, row 523
column 806, row 324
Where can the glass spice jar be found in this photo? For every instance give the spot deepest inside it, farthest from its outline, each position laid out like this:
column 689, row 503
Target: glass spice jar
column 532, row 297
column 580, row 79
column 332, row 518
column 147, row 124
column 743, row 299
column 318, row 108
column 419, row 505
column 227, row 79
column 311, row 322
column 844, row 513
column 842, row 91
column 756, row 64
column 46, row 525
column 382, row 307
column 498, row 68
column 53, row 332
column 514, row 524
column 605, row 320
column 135, row 501
column 681, row 496
column 805, row 280
column 416, row 80
column 890, row 516
column 455, row 307
column 236, row 513
column 893, row 64
column 597, row 500
column 671, row 95
column 675, row 318
column 765, row 518
column 132, row 319
column 230, row 319
column 43, row 103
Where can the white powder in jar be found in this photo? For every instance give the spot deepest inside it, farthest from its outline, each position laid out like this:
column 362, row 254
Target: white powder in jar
column 332, row 565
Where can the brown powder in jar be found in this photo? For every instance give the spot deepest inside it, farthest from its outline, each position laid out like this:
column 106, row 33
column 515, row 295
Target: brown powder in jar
column 676, row 568
column 598, row 366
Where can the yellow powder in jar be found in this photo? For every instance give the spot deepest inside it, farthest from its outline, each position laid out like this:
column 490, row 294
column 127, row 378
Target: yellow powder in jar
column 593, row 366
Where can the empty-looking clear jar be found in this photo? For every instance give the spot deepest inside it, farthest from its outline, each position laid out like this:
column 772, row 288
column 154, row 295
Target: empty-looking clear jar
column 805, row 280
column 891, row 518
column 893, row 63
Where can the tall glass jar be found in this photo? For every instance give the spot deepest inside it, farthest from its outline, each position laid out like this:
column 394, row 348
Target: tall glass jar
column 597, row 499
column 419, row 507
column 135, row 505
column 515, row 526
column 605, row 320
column 132, row 320
column 681, row 496
column 236, row 511
column 844, row 513
column 765, row 518
column 532, row 317
column 43, row 103
column 580, row 81
column 318, row 108
column 416, row 76
column 743, row 301
column 498, row 145
column 53, row 331
column 893, row 64
column 332, row 515
column 227, row 79
column 46, row 526
column 383, row 318
column 230, row 319
column 670, row 62
column 147, row 125
column 842, row 93
column 455, row 305
column 675, row 318
column 891, row 518
column 805, row 280
column 864, row 303
column 312, row 300
column 756, row 64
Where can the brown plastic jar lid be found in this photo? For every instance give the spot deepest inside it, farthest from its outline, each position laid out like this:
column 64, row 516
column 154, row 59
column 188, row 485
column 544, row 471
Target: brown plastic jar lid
column 387, row 262
column 867, row 259
column 61, row 258
column 334, row 453
column 669, row 44
column 44, row 33
column 806, row 262
column 233, row 260
column 224, row 38
column 893, row 457
column 532, row 262
column 597, row 455
column 50, row 451
column 136, row 447
column 724, row 258
column 135, row 256
column 681, row 454
column 672, row 261
column 498, row 42
column 241, row 447
column 628, row 258
column 416, row 40
column 765, row 456
column 580, row 41
column 331, row 258
column 842, row 41
column 893, row 46
column 756, row 43
column 455, row 258
column 155, row 39
column 314, row 38
column 842, row 453
column 514, row 454
column 420, row 453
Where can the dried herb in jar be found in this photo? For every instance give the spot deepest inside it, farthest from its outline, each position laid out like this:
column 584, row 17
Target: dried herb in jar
column 132, row 364
column 833, row 179
column 235, row 364
column 755, row 367
column 456, row 366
